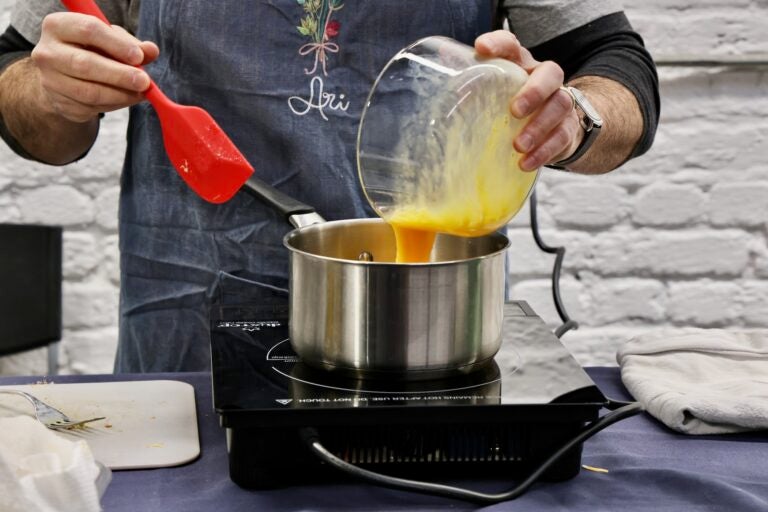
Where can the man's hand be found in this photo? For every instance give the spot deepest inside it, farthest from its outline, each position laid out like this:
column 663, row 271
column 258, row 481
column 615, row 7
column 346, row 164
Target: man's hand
column 87, row 67
column 80, row 68
column 553, row 132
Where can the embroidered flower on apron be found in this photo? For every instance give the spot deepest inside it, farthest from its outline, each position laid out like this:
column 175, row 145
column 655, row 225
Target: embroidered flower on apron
column 318, row 25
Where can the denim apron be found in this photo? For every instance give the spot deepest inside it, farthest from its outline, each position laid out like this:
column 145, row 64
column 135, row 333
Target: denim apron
column 286, row 80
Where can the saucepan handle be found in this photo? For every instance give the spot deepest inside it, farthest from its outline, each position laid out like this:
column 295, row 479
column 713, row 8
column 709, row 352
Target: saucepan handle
column 295, row 212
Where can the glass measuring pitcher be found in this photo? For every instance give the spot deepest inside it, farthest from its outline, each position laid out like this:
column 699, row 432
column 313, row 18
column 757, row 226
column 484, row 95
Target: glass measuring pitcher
column 434, row 146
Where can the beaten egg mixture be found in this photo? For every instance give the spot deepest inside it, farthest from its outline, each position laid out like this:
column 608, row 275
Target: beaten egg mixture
column 477, row 193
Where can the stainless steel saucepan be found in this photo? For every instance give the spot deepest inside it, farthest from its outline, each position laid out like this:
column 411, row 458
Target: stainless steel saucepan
column 354, row 310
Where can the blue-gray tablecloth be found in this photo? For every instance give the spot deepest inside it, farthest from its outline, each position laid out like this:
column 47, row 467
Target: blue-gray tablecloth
column 650, row 468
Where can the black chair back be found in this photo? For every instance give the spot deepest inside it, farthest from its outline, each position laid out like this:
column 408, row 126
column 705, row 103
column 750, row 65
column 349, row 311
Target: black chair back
column 30, row 286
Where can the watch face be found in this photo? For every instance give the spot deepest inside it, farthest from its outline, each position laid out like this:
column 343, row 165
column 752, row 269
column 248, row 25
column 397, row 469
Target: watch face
column 587, row 107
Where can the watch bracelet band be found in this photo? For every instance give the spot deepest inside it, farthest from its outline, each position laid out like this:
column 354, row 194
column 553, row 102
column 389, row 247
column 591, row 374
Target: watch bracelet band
column 590, row 125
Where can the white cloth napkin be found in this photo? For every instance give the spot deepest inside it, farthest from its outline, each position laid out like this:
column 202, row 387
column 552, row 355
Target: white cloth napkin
column 706, row 381
column 42, row 472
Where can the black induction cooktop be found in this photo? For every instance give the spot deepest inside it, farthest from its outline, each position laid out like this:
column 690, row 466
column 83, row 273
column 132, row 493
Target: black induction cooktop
column 508, row 415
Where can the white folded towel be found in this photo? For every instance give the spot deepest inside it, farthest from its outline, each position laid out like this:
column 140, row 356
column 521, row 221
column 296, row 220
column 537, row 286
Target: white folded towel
column 42, row 472
column 706, row 381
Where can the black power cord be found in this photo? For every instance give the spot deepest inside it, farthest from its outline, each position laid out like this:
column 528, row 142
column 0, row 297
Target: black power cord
column 311, row 438
column 559, row 253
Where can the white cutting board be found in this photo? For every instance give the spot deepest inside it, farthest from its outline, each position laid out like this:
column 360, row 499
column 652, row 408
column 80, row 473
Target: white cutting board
column 148, row 424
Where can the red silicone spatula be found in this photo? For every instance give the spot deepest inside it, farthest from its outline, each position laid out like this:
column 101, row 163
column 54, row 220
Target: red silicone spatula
column 198, row 148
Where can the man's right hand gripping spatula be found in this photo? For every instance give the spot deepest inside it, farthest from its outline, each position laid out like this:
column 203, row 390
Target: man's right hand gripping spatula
column 197, row 147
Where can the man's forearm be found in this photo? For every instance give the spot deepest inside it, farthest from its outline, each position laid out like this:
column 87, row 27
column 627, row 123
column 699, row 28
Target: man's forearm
column 34, row 124
column 622, row 124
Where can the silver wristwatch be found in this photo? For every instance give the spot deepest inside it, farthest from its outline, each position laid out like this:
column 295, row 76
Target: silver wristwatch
column 590, row 121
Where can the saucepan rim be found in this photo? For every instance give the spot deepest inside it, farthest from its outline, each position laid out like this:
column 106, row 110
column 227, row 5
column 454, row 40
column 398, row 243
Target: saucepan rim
column 373, row 220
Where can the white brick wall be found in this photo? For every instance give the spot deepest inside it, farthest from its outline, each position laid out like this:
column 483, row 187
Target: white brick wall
column 675, row 239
